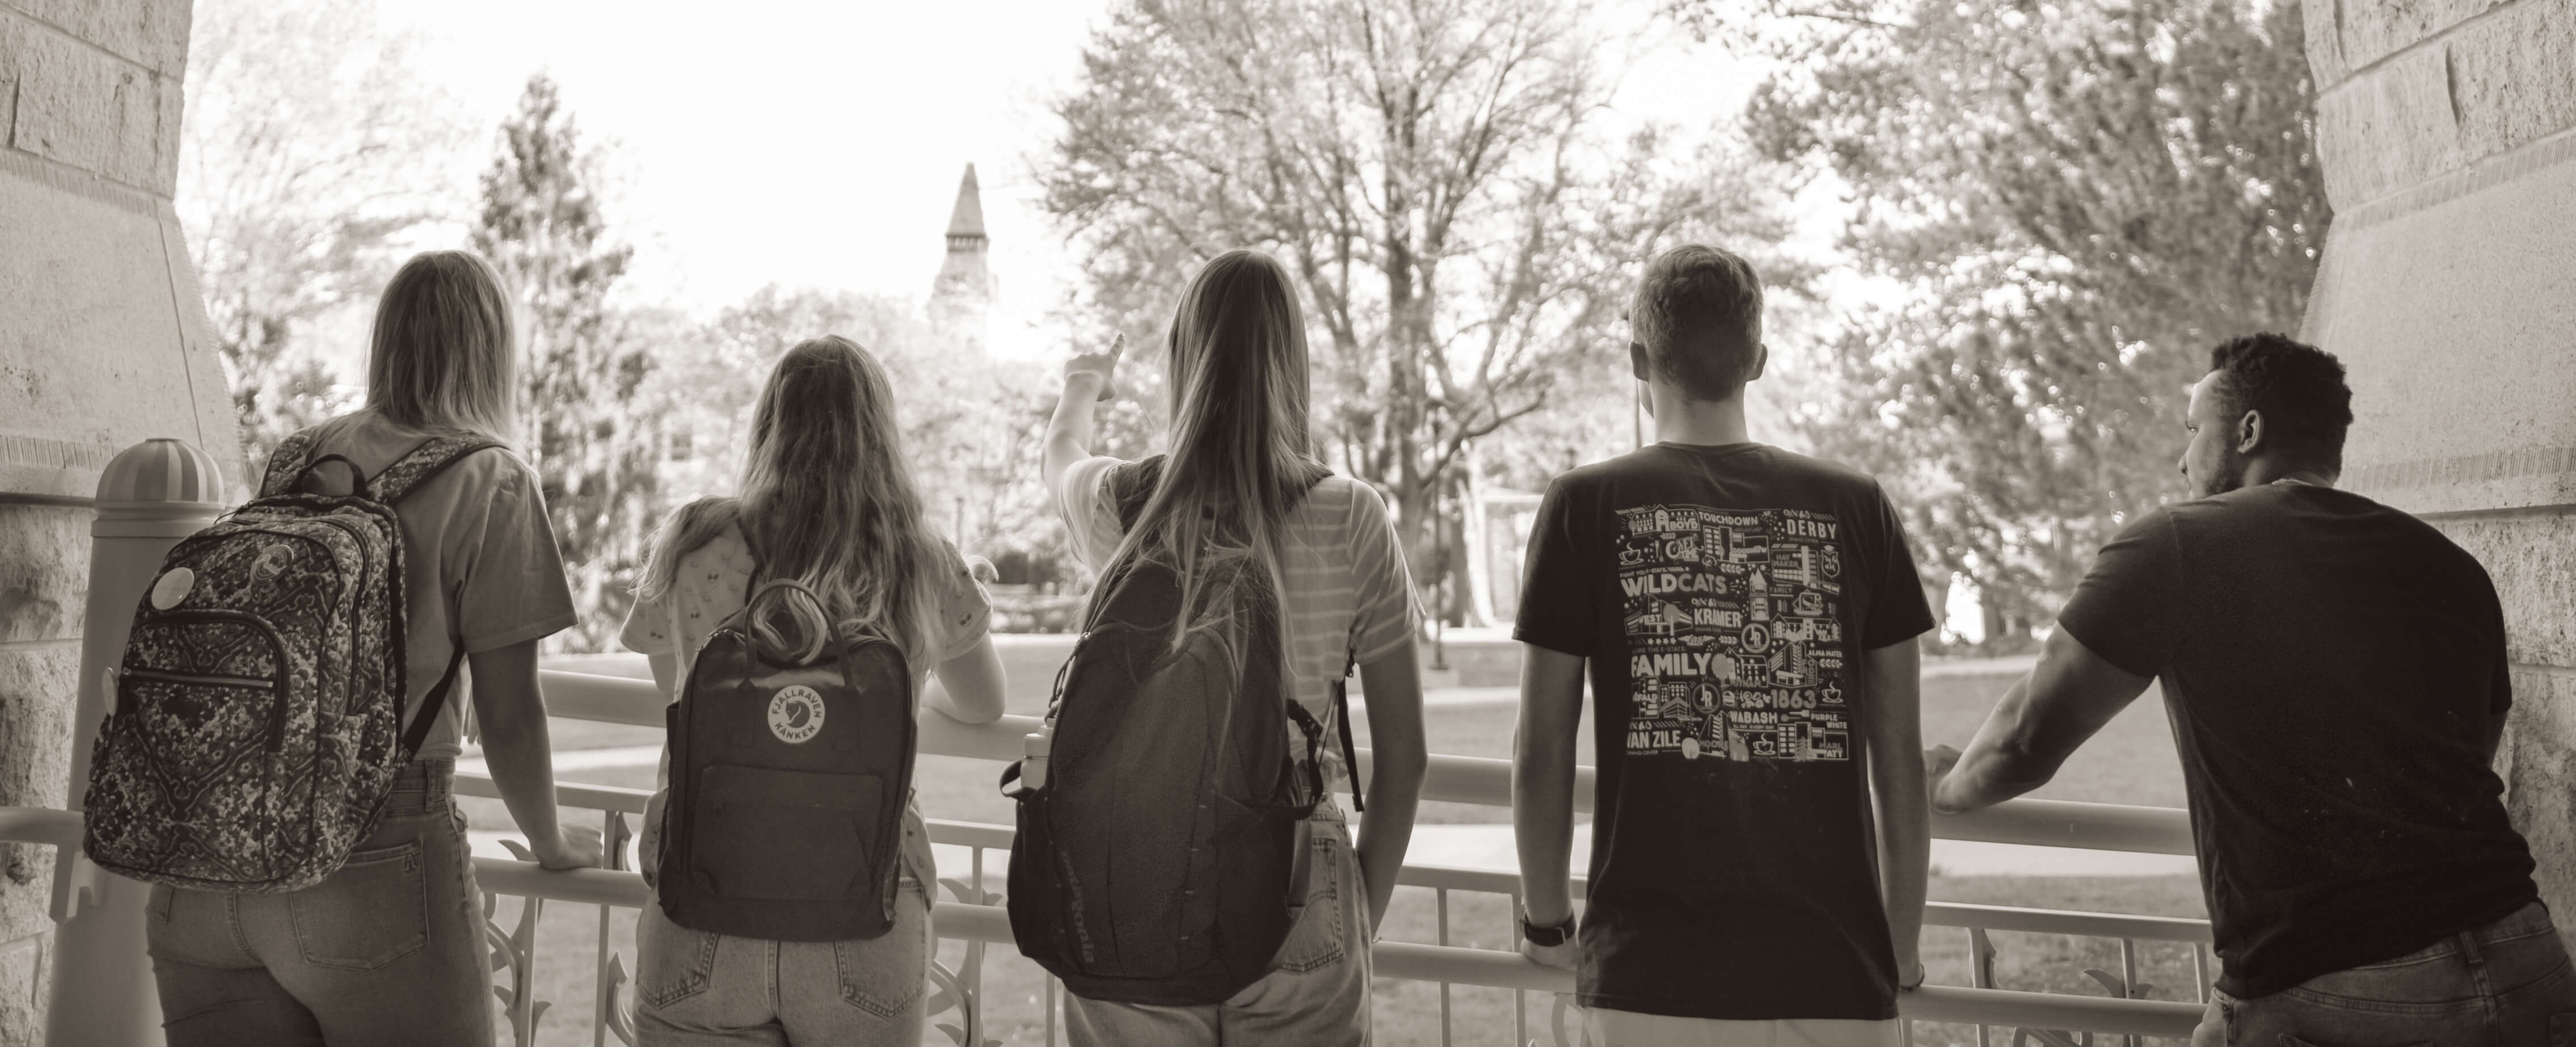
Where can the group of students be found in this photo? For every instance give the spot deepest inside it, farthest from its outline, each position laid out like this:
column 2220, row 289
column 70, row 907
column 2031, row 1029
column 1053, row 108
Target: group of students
column 1747, row 618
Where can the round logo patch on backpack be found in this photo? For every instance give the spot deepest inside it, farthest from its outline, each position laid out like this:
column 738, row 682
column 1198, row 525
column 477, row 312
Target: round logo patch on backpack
column 796, row 714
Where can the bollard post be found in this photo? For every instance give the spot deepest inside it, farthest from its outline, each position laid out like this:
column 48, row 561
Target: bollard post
column 153, row 494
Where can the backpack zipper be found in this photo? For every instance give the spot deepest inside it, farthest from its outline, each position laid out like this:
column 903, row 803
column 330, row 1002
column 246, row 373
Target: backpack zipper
column 214, row 679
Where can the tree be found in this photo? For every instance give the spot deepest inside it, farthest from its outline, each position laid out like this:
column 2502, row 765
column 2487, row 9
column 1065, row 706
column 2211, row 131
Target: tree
column 2078, row 199
column 598, row 440
column 311, row 143
column 1463, row 227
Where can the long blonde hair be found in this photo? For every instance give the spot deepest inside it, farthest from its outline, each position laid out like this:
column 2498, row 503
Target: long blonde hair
column 444, row 354
column 1240, row 457
column 827, row 500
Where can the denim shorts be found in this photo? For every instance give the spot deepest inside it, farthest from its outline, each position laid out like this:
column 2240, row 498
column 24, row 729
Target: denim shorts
column 1316, row 995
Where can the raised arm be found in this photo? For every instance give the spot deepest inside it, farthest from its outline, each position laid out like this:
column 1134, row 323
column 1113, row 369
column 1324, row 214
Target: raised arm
column 1543, row 792
column 1088, row 379
column 2064, row 700
column 1894, row 685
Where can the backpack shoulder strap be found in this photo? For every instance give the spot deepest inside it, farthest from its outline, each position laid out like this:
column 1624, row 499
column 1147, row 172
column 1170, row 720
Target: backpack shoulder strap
column 1342, row 718
column 423, row 464
column 286, row 462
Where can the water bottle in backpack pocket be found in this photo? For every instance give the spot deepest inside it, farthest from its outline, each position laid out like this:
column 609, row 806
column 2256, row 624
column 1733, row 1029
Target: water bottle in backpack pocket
column 789, row 782
column 257, row 719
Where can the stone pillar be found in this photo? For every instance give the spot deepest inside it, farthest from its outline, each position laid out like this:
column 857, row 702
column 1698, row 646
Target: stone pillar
column 2448, row 133
column 103, row 343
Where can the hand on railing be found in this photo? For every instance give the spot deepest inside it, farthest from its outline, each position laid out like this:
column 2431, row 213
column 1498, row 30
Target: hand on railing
column 575, row 847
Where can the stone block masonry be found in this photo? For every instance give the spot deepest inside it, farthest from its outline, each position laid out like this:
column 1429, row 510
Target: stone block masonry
column 103, row 343
column 2448, row 133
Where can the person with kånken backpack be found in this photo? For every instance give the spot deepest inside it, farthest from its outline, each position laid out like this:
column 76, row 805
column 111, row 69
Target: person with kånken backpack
column 280, row 760
column 1180, row 862
column 793, row 625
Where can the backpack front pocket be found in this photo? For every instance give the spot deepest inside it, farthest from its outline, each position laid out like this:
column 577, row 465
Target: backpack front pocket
column 779, row 835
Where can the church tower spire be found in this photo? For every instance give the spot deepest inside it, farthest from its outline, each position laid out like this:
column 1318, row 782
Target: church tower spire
column 964, row 291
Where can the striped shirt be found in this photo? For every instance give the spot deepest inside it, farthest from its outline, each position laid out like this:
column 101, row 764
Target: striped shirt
column 1347, row 593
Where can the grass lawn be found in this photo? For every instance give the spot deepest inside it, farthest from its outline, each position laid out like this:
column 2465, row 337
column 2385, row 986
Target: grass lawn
column 2131, row 762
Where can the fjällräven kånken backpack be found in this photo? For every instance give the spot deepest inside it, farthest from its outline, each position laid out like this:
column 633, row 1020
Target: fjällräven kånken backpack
column 256, row 724
column 788, row 785
column 1156, row 862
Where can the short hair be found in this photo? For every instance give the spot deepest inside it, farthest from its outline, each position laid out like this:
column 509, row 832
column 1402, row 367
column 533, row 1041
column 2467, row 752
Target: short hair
column 2298, row 388
column 1698, row 313
column 445, row 351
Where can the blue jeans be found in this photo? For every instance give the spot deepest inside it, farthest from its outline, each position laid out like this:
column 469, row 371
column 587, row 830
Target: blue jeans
column 1316, row 996
column 389, row 950
column 2507, row 984
column 699, row 989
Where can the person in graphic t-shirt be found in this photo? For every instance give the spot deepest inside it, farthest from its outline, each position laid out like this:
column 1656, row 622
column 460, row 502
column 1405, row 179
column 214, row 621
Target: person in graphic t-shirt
column 2335, row 670
column 1748, row 617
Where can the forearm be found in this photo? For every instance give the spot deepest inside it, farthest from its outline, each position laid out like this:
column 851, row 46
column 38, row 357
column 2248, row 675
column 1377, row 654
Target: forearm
column 1543, row 826
column 521, row 758
column 969, row 688
column 1069, row 431
column 1905, row 855
column 1386, row 831
column 1999, row 764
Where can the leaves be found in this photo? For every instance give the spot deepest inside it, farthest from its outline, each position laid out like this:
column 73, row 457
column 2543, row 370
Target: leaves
column 310, row 145
column 1464, row 228
column 596, row 437
column 2079, row 199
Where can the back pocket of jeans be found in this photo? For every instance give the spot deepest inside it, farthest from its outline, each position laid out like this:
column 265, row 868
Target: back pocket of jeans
column 672, row 963
column 374, row 911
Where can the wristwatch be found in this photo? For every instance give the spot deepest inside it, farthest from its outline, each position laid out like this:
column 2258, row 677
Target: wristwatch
column 1556, row 934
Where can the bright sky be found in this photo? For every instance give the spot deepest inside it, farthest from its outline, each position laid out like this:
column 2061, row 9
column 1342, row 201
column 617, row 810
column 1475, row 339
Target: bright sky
column 819, row 143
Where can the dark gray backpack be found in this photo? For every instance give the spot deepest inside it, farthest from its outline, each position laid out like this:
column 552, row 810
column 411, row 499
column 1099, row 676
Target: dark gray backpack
column 1155, row 864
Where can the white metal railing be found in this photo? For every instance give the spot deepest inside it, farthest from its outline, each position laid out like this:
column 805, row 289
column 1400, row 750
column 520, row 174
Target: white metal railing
column 973, row 914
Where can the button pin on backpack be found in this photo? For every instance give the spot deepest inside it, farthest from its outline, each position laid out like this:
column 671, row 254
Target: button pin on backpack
column 173, row 587
column 796, row 714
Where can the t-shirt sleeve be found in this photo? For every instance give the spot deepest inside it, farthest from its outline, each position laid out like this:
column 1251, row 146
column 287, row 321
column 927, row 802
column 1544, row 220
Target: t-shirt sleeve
column 648, row 623
column 1090, row 520
column 513, row 589
column 1560, row 580
column 1384, row 614
column 965, row 612
column 1898, row 611
column 2123, row 610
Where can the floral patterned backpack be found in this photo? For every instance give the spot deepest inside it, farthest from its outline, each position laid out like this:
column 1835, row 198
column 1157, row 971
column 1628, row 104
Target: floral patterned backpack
column 255, row 729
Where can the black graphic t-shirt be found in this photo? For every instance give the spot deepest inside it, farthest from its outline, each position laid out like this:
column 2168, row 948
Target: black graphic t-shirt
column 1723, row 596
column 2330, row 665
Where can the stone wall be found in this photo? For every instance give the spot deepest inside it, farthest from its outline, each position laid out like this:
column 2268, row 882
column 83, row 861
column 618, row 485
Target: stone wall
column 2448, row 133
column 102, row 343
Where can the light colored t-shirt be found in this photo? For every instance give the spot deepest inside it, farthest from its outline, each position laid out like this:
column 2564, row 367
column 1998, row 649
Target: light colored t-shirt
column 479, row 562
column 709, row 586
column 1346, row 591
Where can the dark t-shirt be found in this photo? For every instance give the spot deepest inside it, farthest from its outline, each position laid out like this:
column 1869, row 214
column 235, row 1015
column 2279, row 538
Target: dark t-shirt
column 1723, row 596
column 2330, row 665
